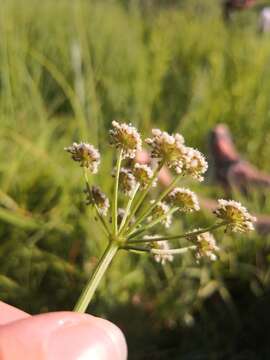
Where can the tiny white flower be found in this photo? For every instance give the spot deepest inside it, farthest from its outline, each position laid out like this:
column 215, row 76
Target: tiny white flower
column 161, row 209
column 237, row 216
column 126, row 137
column 127, row 181
column 205, row 245
column 143, row 175
column 168, row 148
column 195, row 164
column 162, row 246
column 86, row 154
column 185, row 199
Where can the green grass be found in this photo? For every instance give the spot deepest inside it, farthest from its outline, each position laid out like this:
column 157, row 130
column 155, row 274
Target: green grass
column 67, row 69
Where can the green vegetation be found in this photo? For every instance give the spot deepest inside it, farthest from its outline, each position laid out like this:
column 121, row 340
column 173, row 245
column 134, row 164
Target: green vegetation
column 67, row 69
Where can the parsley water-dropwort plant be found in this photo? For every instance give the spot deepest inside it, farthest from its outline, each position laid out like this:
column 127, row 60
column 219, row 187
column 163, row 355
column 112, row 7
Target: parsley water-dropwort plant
column 133, row 228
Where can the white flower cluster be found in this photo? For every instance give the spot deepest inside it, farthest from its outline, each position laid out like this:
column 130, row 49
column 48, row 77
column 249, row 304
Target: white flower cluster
column 125, row 137
column 127, row 181
column 167, row 148
column 236, row 215
column 86, row 154
column 158, row 249
column 195, row 164
column 185, row 199
column 170, row 150
column 205, row 245
column 143, row 175
column 161, row 210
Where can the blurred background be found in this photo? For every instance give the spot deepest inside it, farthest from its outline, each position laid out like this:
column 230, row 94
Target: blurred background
column 67, row 69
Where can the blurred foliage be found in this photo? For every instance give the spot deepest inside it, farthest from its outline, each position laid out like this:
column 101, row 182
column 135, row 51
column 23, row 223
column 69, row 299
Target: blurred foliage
column 67, row 68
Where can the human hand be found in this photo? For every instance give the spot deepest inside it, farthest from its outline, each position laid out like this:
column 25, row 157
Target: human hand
column 59, row 335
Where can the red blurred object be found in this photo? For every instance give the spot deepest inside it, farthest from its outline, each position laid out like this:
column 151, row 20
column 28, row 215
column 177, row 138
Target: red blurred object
column 233, row 5
column 229, row 168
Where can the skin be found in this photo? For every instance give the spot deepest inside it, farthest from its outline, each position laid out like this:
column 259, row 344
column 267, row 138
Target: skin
column 59, row 335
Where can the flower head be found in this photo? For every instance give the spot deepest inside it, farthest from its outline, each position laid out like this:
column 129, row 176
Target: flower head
column 127, row 181
column 168, row 148
column 158, row 249
column 205, row 245
column 143, row 175
column 99, row 198
column 86, row 155
column 195, row 163
column 185, row 199
column 161, row 210
column 125, row 137
column 237, row 216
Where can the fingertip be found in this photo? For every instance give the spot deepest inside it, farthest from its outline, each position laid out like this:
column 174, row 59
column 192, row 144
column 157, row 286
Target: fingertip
column 89, row 337
column 9, row 314
column 62, row 335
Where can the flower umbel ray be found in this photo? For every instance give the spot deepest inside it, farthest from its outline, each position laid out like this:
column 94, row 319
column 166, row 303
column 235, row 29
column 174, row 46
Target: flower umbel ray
column 133, row 225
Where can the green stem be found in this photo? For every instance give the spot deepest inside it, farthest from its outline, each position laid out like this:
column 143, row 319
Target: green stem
column 128, row 207
column 153, row 223
column 173, row 251
column 142, row 197
column 100, row 217
column 94, row 281
column 135, row 248
column 159, row 251
column 160, row 198
column 115, row 195
column 180, row 236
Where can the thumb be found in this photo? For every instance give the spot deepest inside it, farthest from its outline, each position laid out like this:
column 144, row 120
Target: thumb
column 62, row 335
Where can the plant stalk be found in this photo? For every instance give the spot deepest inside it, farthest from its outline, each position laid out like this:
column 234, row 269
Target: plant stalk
column 100, row 217
column 142, row 197
column 91, row 286
column 115, row 194
column 180, row 236
column 159, row 251
column 128, row 207
column 151, row 224
column 160, row 198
